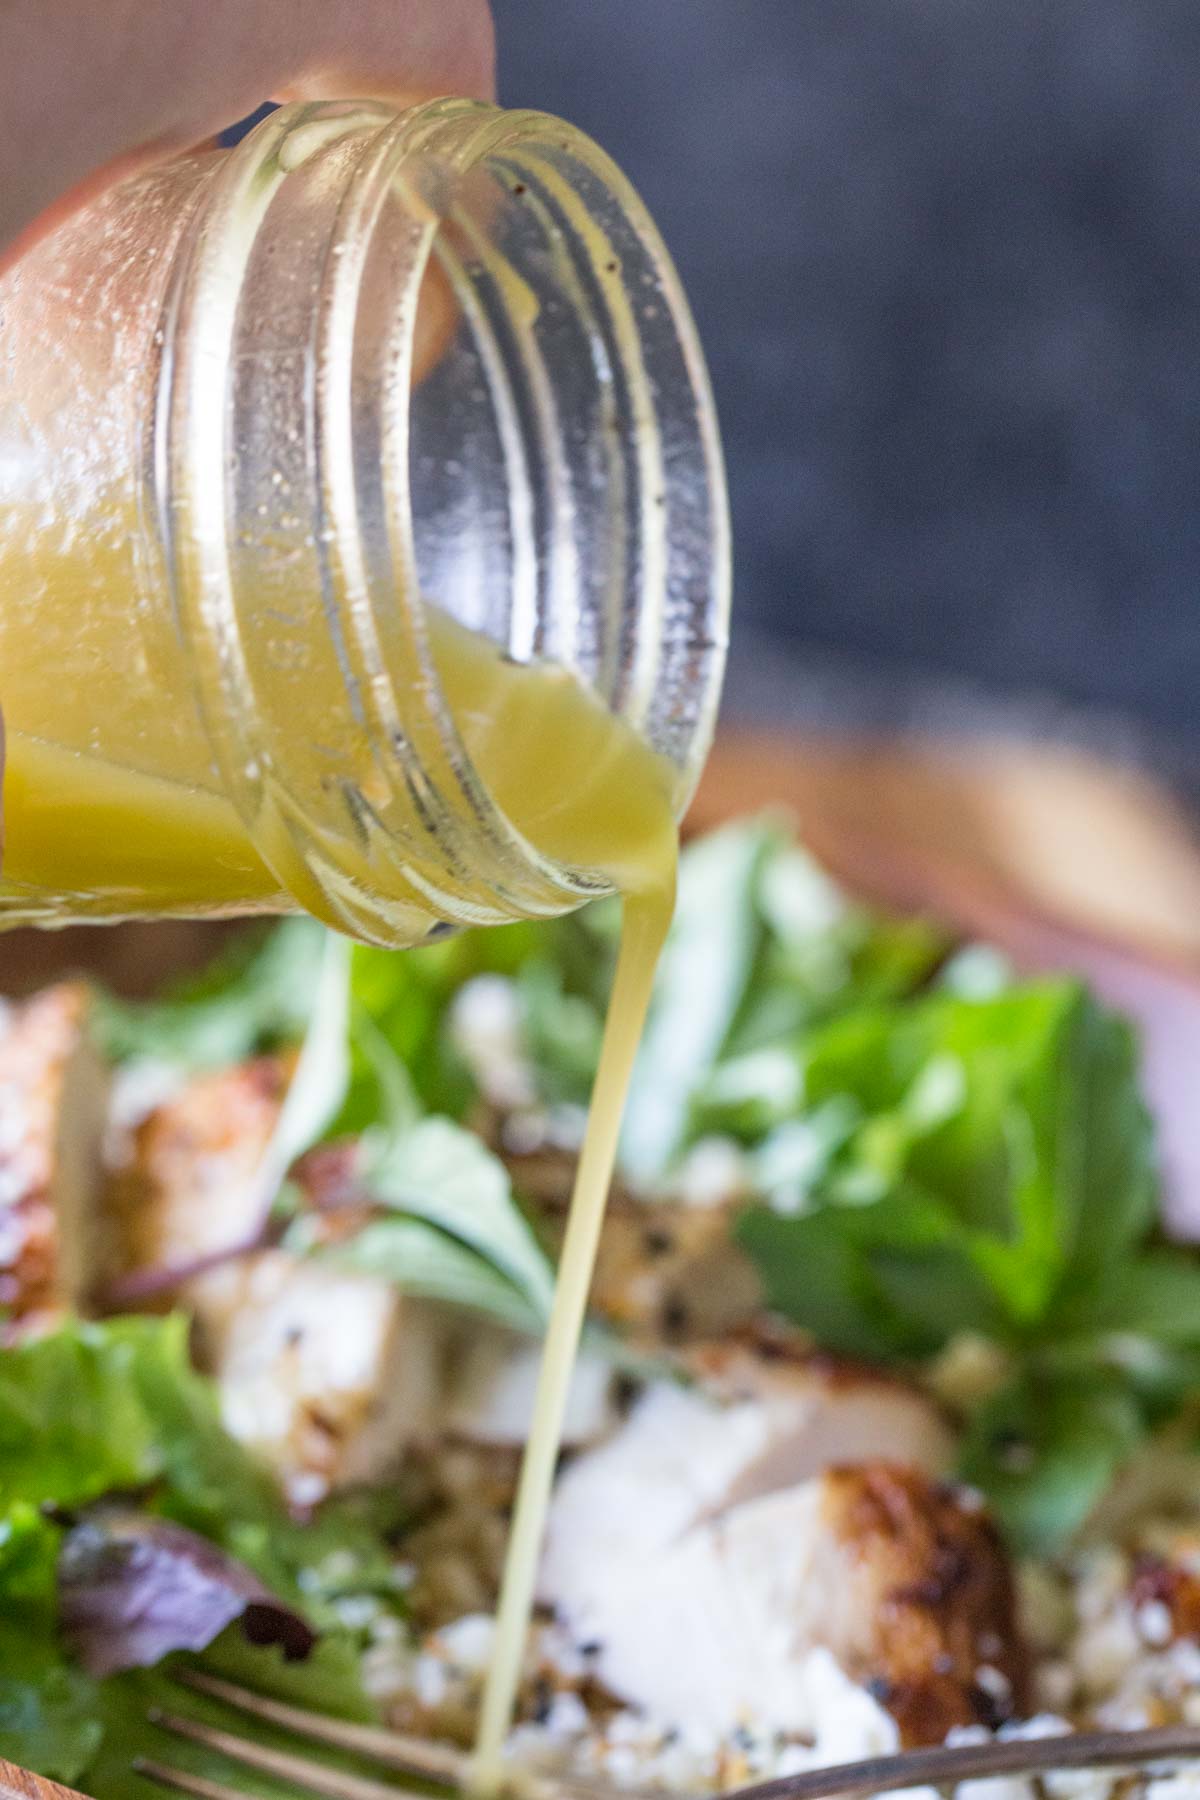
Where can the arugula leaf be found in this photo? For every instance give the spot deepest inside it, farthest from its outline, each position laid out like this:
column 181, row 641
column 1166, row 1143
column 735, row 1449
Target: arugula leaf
column 407, row 1000
column 885, row 1280
column 561, row 1031
column 1156, row 1296
column 764, row 947
column 321, row 1078
column 821, row 953
column 442, row 1174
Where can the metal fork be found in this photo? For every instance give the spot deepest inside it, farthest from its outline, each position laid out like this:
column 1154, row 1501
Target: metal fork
column 442, row 1766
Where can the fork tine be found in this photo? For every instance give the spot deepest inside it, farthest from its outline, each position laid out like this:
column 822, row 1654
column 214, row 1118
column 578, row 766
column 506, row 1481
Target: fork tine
column 391, row 1749
column 408, row 1754
column 182, row 1781
column 301, row 1771
column 441, row 1763
column 961, row 1762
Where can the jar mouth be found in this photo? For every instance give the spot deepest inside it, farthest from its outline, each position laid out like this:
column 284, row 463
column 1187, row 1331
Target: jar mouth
column 423, row 365
column 556, row 365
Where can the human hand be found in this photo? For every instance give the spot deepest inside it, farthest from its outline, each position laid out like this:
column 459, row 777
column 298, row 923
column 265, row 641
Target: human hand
column 92, row 89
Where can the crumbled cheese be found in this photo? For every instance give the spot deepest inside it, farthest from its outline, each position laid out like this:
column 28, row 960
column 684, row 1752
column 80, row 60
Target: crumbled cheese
column 1055, row 1685
column 1042, row 1725
column 850, row 1722
column 994, row 1683
column 711, row 1174
column 1079, row 1784
column 485, row 1026
column 466, row 1644
column 1153, row 1621
column 1180, row 1784
column 1104, row 1652
column 1103, row 1577
column 996, row 1787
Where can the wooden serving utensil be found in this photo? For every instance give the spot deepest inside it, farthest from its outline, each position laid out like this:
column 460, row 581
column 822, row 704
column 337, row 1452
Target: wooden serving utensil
column 22, row 1784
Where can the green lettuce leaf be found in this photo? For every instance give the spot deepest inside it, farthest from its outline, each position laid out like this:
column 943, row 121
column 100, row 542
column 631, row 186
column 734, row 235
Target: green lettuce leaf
column 48, row 1708
column 115, row 1408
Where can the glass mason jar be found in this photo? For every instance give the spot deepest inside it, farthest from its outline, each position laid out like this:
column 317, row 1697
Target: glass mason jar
column 258, row 407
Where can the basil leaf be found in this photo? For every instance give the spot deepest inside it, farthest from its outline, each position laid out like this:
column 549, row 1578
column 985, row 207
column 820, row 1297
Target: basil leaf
column 1000, row 1149
column 423, row 1261
column 444, row 1176
column 1045, row 1453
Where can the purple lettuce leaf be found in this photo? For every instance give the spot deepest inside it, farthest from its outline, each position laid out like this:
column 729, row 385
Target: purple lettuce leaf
column 133, row 1587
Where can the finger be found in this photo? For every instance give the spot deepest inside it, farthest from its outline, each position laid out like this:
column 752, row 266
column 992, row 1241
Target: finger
column 134, row 80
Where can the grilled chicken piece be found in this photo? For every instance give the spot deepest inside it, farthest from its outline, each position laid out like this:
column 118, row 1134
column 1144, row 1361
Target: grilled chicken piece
column 1165, row 1594
column 53, row 1093
column 666, row 1272
column 188, row 1190
column 669, row 1273
column 922, row 1608
column 902, row 1579
column 327, row 1374
column 755, row 1421
column 729, row 1517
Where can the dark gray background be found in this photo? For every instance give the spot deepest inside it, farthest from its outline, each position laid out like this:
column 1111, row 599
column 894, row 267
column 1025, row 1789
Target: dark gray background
column 945, row 258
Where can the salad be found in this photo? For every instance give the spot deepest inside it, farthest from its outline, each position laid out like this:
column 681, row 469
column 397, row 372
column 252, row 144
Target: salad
column 886, row 1427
